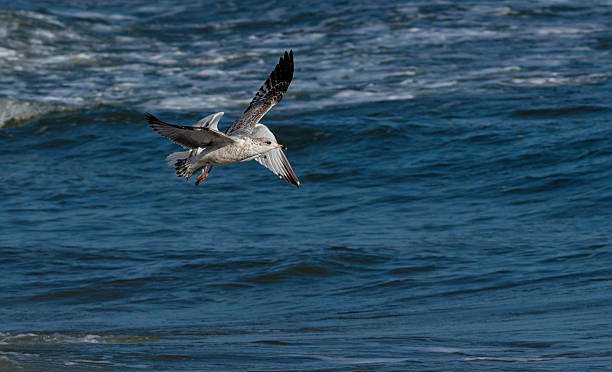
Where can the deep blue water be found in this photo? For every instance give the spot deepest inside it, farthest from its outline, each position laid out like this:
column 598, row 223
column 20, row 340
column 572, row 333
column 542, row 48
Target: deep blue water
column 455, row 210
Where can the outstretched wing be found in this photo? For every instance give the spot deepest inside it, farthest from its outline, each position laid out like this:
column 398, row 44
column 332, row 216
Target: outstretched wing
column 270, row 93
column 189, row 137
column 210, row 122
column 275, row 160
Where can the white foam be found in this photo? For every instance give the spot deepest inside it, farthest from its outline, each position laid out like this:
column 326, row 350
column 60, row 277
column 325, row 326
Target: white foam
column 443, row 350
column 45, row 34
column 200, row 102
column 91, row 339
column 358, row 360
column 84, row 362
column 79, row 58
column 443, row 84
column 42, row 17
column 163, row 59
column 496, row 70
column 23, row 335
column 352, row 96
column 561, row 31
column 506, row 359
column 403, row 73
column 492, row 10
column 543, row 81
column 435, row 36
column 88, row 361
column 504, row 11
column 365, row 65
column 33, row 338
column 211, row 72
column 395, row 97
column 7, row 53
column 87, row 14
column 24, row 111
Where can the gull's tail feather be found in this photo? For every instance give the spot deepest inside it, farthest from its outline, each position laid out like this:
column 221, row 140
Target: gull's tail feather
column 182, row 169
column 175, row 157
column 184, row 162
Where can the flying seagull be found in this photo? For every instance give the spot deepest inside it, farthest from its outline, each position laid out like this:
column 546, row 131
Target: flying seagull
column 246, row 139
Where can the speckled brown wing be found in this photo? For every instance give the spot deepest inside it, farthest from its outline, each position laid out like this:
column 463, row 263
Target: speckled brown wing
column 189, row 137
column 270, row 93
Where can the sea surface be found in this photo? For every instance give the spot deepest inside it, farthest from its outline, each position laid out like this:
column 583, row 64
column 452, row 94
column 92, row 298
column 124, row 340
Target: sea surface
column 455, row 214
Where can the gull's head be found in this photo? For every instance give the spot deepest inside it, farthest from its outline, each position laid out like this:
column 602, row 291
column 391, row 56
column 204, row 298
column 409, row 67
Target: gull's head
column 265, row 144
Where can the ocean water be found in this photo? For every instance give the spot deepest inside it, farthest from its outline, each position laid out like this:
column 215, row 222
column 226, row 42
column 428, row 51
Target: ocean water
column 456, row 162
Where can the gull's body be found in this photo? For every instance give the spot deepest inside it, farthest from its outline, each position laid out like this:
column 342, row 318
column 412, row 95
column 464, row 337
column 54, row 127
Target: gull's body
column 246, row 139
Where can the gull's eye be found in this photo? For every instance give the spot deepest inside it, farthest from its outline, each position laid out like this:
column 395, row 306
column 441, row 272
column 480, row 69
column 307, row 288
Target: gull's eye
column 269, row 142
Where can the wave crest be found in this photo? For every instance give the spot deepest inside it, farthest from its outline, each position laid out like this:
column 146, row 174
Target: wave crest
column 18, row 113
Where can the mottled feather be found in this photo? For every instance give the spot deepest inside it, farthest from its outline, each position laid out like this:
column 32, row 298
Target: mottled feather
column 270, row 93
column 275, row 160
column 244, row 140
column 189, row 137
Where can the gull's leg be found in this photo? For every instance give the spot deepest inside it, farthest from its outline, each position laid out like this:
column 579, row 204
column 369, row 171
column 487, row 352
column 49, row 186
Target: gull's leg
column 204, row 174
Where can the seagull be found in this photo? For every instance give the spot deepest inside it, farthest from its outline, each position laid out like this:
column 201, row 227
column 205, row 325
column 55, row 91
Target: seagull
column 246, row 139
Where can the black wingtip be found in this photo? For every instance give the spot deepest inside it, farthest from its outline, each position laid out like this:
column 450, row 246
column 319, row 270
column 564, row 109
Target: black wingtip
column 153, row 120
column 277, row 82
column 284, row 69
column 292, row 179
column 150, row 118
column 289, row 175
column 287, row 60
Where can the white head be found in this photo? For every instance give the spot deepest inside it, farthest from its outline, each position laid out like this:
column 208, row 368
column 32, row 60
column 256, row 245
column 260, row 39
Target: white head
column 264, row 136
column 266, row 144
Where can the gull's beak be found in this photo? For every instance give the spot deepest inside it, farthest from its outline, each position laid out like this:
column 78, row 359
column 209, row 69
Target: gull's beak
column 282, row 147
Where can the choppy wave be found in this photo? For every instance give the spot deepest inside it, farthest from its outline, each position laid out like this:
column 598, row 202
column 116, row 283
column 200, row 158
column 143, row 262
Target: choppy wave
column 16, row 113
column 22, row 358
column 455, row 206
column 137, row 57
column 54, row 338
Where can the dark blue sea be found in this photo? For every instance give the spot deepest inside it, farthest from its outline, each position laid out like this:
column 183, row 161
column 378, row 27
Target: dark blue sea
column 456, row 202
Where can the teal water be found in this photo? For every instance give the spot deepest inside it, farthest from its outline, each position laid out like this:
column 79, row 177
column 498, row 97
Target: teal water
column 454, row 214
